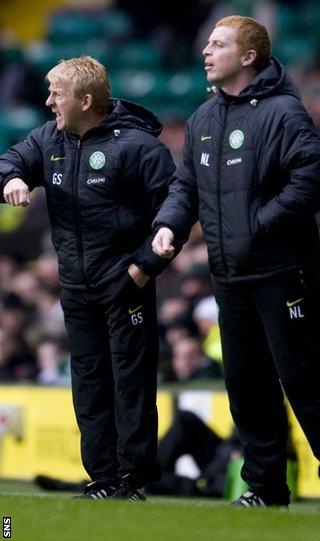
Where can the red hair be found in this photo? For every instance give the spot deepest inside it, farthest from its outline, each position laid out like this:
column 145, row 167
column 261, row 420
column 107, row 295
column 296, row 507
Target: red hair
column 250, row 35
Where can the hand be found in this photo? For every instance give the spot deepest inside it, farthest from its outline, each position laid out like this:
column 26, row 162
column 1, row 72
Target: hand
column 16, row 193
column 137, row 275
column 162, row 243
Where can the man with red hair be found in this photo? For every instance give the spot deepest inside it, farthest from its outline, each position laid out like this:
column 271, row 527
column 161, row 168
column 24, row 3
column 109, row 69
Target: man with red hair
column 251, row 173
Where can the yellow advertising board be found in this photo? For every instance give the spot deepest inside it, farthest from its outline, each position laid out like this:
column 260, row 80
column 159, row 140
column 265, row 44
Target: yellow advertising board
column 48, row 441
column 43, row 437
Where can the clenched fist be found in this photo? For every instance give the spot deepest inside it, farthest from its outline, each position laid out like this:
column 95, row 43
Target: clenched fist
column 16, row 193
column 162, row 243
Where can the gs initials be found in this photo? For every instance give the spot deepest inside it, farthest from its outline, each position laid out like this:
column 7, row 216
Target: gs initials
column 57, row 178
column 136, row 319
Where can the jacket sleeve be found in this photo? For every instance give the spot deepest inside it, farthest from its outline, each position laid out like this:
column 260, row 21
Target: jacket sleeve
column 24, row 161
column 180, row 209
column 156, row 172
column 299, row 155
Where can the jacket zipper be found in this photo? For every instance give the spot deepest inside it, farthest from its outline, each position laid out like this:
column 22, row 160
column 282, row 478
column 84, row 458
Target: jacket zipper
column 219, row 167
column 77, row 214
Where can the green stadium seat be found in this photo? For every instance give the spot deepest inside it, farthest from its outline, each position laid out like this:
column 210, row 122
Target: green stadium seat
column 74, row 27
column 117, row 25
column 4, row 140
column 11, row 54
column 139, row 85
column 139, row 55
column 42, row 56
column 176, row 95
column 309, row 16
column 242, row 7
column 187, row 86
column 167, row 111
column 17, row 122
column 288, row 21
column 112, row 24
column 294, row 49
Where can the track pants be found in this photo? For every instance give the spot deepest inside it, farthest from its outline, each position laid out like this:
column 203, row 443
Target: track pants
column 114, row 351
column 270, row 333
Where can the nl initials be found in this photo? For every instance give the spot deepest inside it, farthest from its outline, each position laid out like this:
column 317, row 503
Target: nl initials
column 205, row 159
column 295, row 312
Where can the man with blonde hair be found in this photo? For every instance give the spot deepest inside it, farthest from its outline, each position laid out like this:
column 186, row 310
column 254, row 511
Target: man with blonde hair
column 251, row 172
column 105, row 174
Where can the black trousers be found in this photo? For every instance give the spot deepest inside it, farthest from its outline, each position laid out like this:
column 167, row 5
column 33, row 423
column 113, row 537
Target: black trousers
column 270, row 333
column 114, row 352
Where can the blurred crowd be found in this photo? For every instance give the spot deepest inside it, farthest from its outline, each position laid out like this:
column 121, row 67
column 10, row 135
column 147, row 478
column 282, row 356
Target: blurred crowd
column 33, row 343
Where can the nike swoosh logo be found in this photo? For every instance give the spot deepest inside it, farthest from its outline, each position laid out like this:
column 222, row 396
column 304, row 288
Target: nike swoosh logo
column 289, row 304
column 205, row 137
column 56, row 158
column 133, row 310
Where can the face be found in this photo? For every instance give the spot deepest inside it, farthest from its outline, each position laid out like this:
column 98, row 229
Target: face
column 67, row 108
column 187, row 358
column 222, row 56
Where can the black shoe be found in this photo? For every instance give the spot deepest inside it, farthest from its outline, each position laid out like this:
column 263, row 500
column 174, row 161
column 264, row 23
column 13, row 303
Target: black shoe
column 98, row 490
column 249, row 499
column 131, row 488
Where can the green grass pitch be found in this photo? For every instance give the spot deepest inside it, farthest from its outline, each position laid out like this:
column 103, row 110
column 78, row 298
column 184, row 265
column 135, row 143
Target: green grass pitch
column 39, row 516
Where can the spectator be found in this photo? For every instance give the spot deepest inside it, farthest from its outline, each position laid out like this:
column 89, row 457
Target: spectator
column 13, row 314
column 16, row 362
column 196, row 283
column 189, row 363
column 173, row 308
column 8, row 267
column 190, row 435
column 205, row 316
column 52, row 363
column 26, row 285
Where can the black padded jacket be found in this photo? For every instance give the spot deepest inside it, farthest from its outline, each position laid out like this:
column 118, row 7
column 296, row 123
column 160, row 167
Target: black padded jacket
column 103, row 191
column 251, row 172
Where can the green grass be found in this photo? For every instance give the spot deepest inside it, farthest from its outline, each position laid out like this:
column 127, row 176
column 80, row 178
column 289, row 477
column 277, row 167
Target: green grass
column 58, row 517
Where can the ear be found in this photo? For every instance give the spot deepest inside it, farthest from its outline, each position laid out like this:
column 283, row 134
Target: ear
column 249, row 58
column 86, row 102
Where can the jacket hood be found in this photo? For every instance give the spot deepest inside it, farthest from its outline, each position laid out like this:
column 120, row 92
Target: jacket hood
column 126, row 114
column 271, row 81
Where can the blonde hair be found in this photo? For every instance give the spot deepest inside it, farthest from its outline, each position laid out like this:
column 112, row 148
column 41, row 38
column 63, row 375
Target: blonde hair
column 88, row 77
column 250, row 35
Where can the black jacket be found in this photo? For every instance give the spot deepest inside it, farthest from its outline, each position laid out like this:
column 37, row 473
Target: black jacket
column 251, row 171
column 103, row 191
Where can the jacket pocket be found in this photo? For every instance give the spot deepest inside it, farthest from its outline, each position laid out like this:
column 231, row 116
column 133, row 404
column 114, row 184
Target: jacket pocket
column 253, row 217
